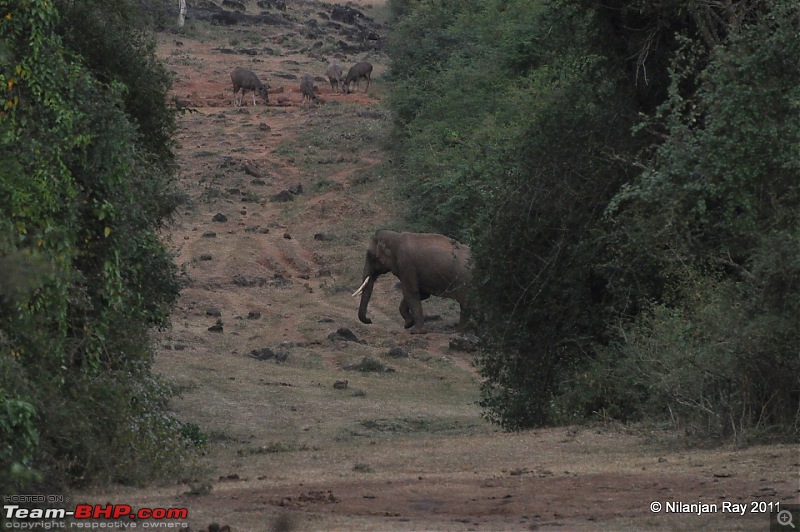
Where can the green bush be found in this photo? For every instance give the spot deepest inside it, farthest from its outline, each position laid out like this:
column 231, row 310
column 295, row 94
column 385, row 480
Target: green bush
column 635, row 176
column 88, row 186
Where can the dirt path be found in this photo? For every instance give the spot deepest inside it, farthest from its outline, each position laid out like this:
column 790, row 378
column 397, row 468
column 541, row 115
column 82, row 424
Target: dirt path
column 405, row 449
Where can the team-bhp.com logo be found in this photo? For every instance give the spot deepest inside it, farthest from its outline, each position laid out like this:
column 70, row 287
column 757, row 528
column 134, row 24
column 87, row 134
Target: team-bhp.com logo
column 114, row 512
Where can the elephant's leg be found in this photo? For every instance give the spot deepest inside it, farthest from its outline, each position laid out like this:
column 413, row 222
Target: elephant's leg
column 406, row 313
column 414, row 302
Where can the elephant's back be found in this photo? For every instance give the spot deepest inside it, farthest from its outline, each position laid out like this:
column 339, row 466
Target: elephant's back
column 441, row 263
column 434, row 241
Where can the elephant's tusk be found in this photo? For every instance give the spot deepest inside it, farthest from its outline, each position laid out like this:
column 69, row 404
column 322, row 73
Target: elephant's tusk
column 360, row 288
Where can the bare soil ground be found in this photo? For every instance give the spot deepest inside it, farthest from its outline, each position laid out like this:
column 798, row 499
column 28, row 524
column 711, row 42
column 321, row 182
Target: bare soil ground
column 397, row 450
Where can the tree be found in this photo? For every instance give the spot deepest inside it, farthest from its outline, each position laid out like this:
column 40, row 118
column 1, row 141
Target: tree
column 84, row 193
column 636, row 179
column 181, row 12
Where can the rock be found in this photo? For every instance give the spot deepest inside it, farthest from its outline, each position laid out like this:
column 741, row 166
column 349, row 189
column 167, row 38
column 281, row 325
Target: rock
column 264, row 127
column 346, row 14
column 464, row 342
column 340, row 385
column 282, row 355
column 213, row 311
column 297, row 189
column 343, row 333
column 265, row 353
column 206, row 256
column 260, row 182
column 277, row 4
column 287, row 236
column 234, row 4
column 253, row 315
column 219, row 217
column 217, row 327
column 282, row 196
column 398, row 352
column 209, row 234
column 251, row 169
column 323, row 237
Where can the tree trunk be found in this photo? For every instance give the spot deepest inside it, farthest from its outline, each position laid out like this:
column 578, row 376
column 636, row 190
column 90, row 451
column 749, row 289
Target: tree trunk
column 181, row 12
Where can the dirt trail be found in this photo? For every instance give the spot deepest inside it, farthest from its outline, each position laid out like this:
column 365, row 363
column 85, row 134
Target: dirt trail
column 405, row 449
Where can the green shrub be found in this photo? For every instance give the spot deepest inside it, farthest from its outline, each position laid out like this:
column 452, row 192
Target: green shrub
column 83, row 111
column 637, row 198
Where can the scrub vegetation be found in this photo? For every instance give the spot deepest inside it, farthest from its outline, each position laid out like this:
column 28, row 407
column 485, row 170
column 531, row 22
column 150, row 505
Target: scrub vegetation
column 634, row 170
column 86, row 177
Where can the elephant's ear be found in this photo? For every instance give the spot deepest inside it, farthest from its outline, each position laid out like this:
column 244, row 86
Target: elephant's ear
column 384, row 253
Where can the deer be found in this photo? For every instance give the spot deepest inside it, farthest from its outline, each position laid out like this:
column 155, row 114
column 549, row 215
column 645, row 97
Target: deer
column 246, row 80
column 335, row 77
column 356, row 72
column 307, row 88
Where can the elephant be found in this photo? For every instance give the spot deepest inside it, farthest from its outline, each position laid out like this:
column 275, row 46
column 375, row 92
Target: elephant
column 426, row 264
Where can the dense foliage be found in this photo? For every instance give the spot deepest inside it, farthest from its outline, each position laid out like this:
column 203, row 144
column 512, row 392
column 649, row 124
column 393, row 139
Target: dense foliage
column 634, row 167
column 86, row 181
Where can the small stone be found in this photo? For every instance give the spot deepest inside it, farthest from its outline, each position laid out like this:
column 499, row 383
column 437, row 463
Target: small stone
column 265, row 353
column 343, row 333
column 287, row 236
column 398, row 352
column 464, row 342
column 206, row 256
column 340, row 385
column 252, row 170
column 219, row 217
column 213, row 311
column 209, row 234
column 282, row 196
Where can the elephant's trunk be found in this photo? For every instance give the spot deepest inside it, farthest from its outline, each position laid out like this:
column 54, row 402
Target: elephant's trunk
column 366, row 294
